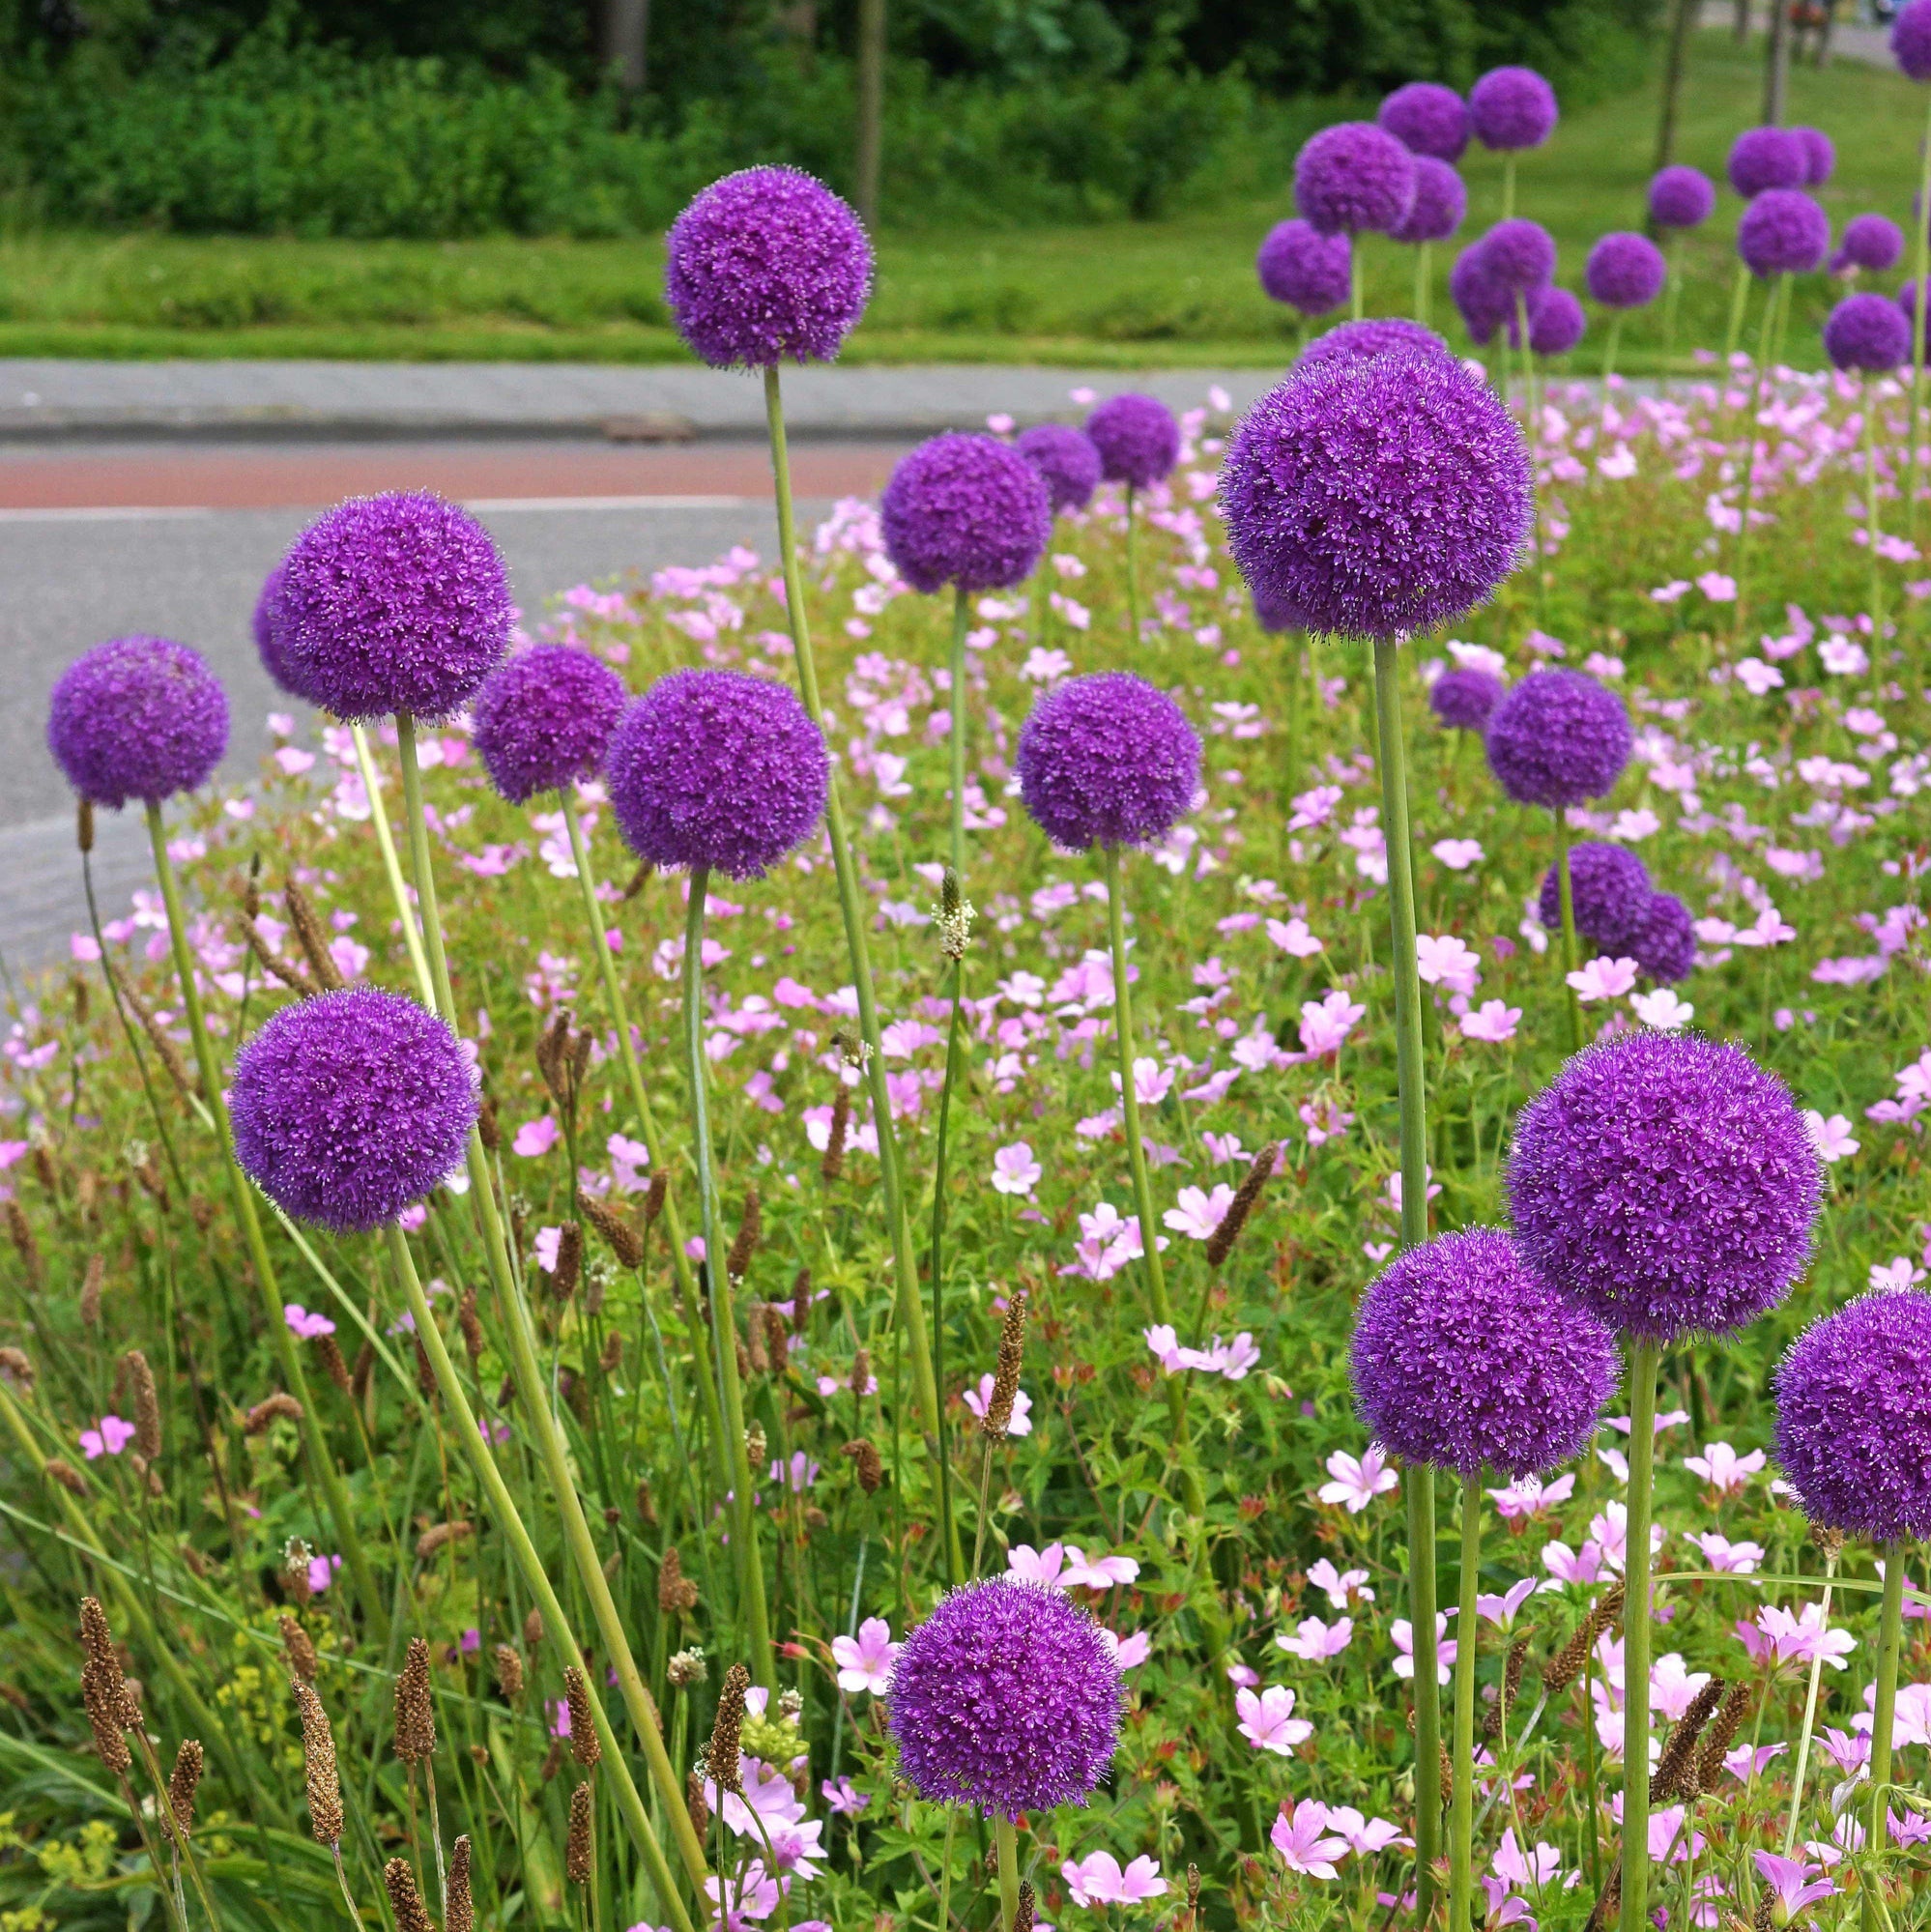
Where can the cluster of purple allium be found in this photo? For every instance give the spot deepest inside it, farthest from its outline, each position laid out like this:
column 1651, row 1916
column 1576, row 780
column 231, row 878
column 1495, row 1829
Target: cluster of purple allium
column 1464, row 1359
column 1375, row 335
column 1464, row 699
column 1625, row 270
column 1867, row 332
column 1006, row 1698
column 1910, row 39
column 1138, row 440
column 1783, row 232
column 1519, row 255
column 1304, row 269
column 1871, row 241
column 1067, row 461
column 966, row 510
column 1854, row 1418
column 1666, row 948
column 1511, row 108
column 1107, row 761
column 1557, row 738
column 1766, row 157
column 1378, row 497
column 1609, row 891
column 1440, row 203
column 138, row 718
column 1354, row 178
column 1667, row 1183
column 716, row 768
column 1820, row 155
column 1556, row 322
column 1427, row 119
column 764, row 266
column 392, row 603
column 544, row 717
column 1680, row 197
column 1480, row 298
column 350, row 1106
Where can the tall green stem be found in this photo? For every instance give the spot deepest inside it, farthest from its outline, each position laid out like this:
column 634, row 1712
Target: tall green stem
column 1883, row 1715
column 1920, row 256
column 1869, row 398
column 1133, row 563
column 1570, row 960
column 1643, row 1357
column 1803, row 1736
column 947, row 1521
column 1424, row 282
column 1354, row 288
column 1462, row 1772
column 1509, row 185
column 1672, row 296
column 1740, row 300
column 405, row 912
column 1005, row 1842
column 1742, row 566
column 962, row 617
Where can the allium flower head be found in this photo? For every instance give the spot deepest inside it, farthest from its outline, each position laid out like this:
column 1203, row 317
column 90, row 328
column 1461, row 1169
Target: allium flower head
column 1378, row 497
column 1304, row 269
column 1680, row 197
column 1665, row 948
column 1556, row 322
column 1005, row 1698
column 966, row 510
column 1107, row 761
column 1609, row 887
column 1820, row 155
column 138, row 718
column 1462, row 699
column 1067, row 461
column 1511, row 108
column 1867, row 332
column 268, row 632
column 1354, row 178
column 1479, row 298
column 767, row 266
column 1138, row 440
column 1427, row 119
column 544, row 717
column 1871, row 241
column 1557, row 738
column 1853, row 1417
column 351, row 1106
column 392, row 603
column 1625, row 270
column 1272, row 615
column 1439, row 206
column 1766, row 157
column 1519, row 255
column 1910, row 39
column 1667, row 1183
column 1783, row 232
column 1465, row 1360
column 1376, row 336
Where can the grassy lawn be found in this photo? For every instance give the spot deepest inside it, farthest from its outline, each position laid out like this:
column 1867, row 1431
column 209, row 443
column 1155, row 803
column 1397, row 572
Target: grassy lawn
column 1179, row 290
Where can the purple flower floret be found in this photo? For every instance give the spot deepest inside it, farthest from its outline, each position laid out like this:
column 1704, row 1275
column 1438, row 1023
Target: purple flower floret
column 1783, row 232
column 767, row 266
column 138, row 718
column 966, row 510
column 1820, row 155
column 1303, row 268
column 1910, row 39
column 1872, row 242
column 1464, row 699
column 1667, row 1183
column 1067, row 461
column 1005, row 1698
column 1625, row 270
column 1867, row 332
column 392, row 603
column 1107, row 761
column 1854, row 1418
column 1354, row 176
column 268, row 632
column 1556, row 322
column 1138, row 440
column 1427, row 119
column 1375, row 335
column 1766, row 157
column 1440, row 203
column 1666, row 948
column 717, row 768
column 1378, row 497
column 1519, row 255
column 1511, row 108
column 1465, row 1360
column 1680, row 197
column 1609, row 888
column 350, row 1106
column 1557, row 738
column 1479, row 298
column 544, row 717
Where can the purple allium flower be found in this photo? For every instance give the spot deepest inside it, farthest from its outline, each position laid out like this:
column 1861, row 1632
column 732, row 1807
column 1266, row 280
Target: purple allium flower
column 1625, row 270
column 1610, row 889
column 1480, row 298
column 1665, row 948
column 1440, row 203
column 1354, row 176
column 1519, row 255
column 1853, row 1417
column 1005, row 1698
column 350, row 1106
column 392, row 603
column 1304, row 269
column 1910, row 39
column 268, row 631
column 1766, row 157
column 1464, row 699
column 1378, row 497
column 1872, row 242
column 1427, row 119
column 717, row 768
column 1138, row 440
column 1465, row 1360
column 1374, row 335
column 1907, row 301
column 1820, row 155
column 966, row 510
column 1557, row 738
column 544, row 717
column 1511, row 108
column 1680, row 197
column 1867, row 332
column 1667, row 1183
column 1271, row 615
column 1067, row 461
column 1556, row 322
column 1783, row 232
column 767, row 266
column 138, row 718
column 1107, row 761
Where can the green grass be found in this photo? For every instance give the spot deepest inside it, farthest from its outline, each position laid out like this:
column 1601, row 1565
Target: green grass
column 1178, row 291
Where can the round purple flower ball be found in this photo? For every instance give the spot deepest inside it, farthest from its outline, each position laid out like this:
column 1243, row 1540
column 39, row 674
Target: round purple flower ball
column 1907, row 301
column 1480, row 298
column 1854, row 1418
column 1354, row 176
column 1820, row 155
column 544, row 717
column 1665, row 946
column 1107, row 761
column 764, row 266
column 1872, row 242
column 1557, row 738
column 1138, row 440
column 1783, row 232
column 1304, row 269
column 138, row 718
column 1625, row 270
column 1667, row 1183
column 1867, row 332
column 268, row 634
column 1680, row 197
column 1511, row 108
column 1067, row 462
column 1556, row 322
column 1427, row 119
column 1910, row 39
column 1766, row 157
column 1378, row 497
column 716, row 768
column 1609, row 887
column 351, row 1106
column 1374, row 335
column 1464, row 1359
column 966, row 511
column 1464, row 699
column 1006, row 1698
column 1440, row 203
column 1272, row 615
column 392, row 603
column 1519, row 255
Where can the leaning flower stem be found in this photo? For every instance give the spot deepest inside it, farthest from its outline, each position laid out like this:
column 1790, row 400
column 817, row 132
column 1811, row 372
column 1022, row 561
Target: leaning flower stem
column 469, row 1431
column 1921, row 255
column 1570, row 963
column 962, row 617
column 1796, row 1776
column 1462, row 1771
column 1005, row 1844
column 320, row 1461
column 526, row 1371
column 1751, row 457
column 852, row 902
column 1132, row 565
column 405, row 912
column 1889, row 1632
column 1740, row 300
column 1644, row 1353
column 745, row 1556
column 948, row 1522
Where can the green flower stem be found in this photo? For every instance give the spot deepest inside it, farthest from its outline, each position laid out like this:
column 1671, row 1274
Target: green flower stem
column 852, row 902
column 1740, row 299
column 1133, row 563
column 1890, row 1633
column 525, row 1369
column 1643, row 1357
column 752, row 1613
column 1005, row 1842
column 1920, row 256
column 1424, row 282
column 1609, row 355
column 1672, row 295
column 1869, row 400
column 961, row 618
column 1764, row 339
column 1462, row 1771
column 405, row 912
column 1509, row 185
column 1354, row 289
column 947, row 1520
column 555, row 1622
column 1569, row 959
column 1809, row 1725
column 320, row 1462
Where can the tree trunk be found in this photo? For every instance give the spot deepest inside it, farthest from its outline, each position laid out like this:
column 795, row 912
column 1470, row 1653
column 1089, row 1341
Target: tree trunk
column 871, row 104
column 1743, row 21
column 627, row 33
column 1777, row 63
column 1682, row 18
